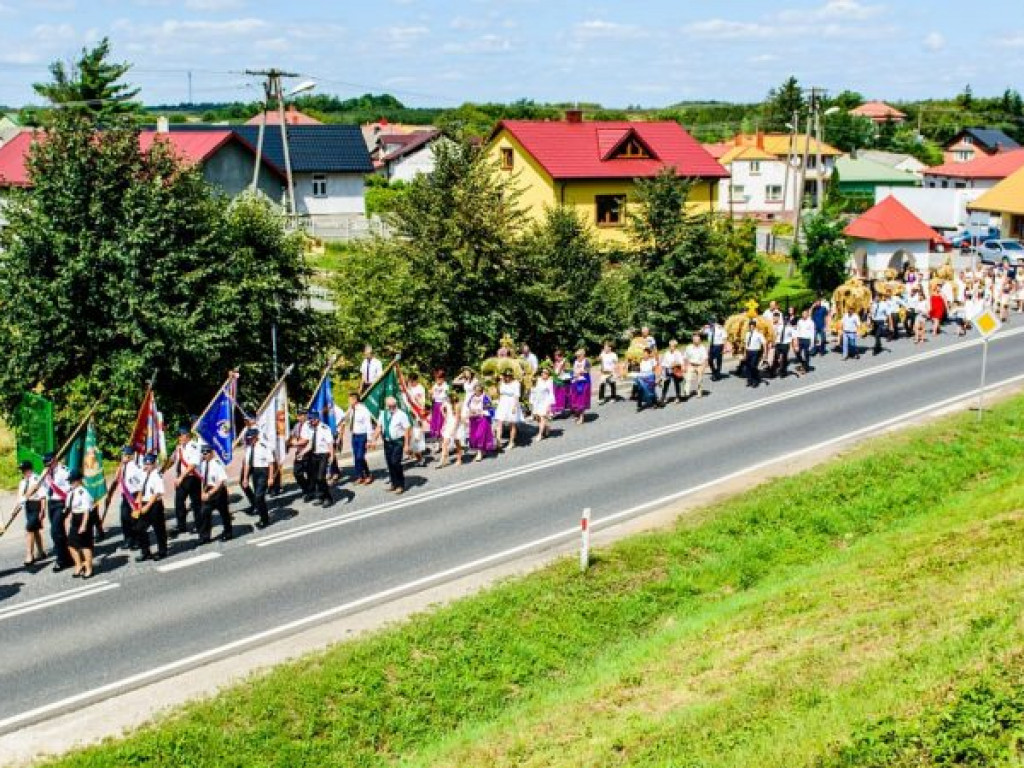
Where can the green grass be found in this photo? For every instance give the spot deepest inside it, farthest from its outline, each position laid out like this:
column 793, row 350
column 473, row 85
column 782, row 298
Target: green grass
column 330, row 260
column 9, row 474
column 772, row 629
column 790, row 289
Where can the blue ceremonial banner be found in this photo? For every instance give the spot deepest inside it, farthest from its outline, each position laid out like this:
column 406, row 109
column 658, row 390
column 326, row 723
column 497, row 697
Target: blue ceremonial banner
column 323, row 403
column 217, row 427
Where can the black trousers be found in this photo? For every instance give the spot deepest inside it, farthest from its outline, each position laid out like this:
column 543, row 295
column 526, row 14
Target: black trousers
column 672, row 379
column 128, row 524
column 393, row 456
column 753, row 363
column 156, row 520
column 257, row 492
column 318, row 477
column 715, row 360
column 610, row 384
column 780, row 363
column 275, row 488
column 58, row 534
column 881, row 329
column 190, row 492
column 301, row 471
column 803, row 353
column 218, row 502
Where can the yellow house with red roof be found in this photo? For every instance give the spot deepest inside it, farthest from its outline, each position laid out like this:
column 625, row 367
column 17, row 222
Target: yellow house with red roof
column 592, row 166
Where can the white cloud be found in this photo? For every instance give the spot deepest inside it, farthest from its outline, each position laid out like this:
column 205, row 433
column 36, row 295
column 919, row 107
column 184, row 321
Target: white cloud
column 1012, row 41
column 463, row 23
column 934, row 41
column 51, row 32
column 726, row 29
column 833, row 10
column 599, row 28
column 404, row 38
column 485, row 44
column 214, row 5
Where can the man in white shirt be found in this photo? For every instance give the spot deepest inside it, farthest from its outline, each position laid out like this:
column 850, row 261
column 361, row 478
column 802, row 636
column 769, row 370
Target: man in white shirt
column 394, row 427
column 880, row 312
column 258, row 463
column 214, row 478
column 672, row 371
column 187, row 490
column 609, row 362
column 321, row 441
column 785, row 333
column 299, row 441
column 851, row 329
column 754, row 345
column 370, row 369
column 129, row 483
column 529, row 359
column 56, row 478
column 804, row 340
column 359, row 423
column 696, row 356
column 649, row 341
column 150, row 512
column 715, row 332
column 773, row 309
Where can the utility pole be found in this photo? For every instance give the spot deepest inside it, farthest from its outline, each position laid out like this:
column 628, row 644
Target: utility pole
column 794, row 128
column 273, row 90
column 802, row 183
column 190, row 102
column 817, row 94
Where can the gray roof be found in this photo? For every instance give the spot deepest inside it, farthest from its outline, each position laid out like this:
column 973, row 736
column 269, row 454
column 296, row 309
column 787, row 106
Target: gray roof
column 991, row 138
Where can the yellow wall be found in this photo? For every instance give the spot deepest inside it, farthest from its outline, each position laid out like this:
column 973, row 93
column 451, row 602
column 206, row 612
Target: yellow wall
column 540, row 192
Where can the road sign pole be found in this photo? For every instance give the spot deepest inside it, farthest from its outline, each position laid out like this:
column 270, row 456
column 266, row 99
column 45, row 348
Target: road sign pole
column 585, row 542
column 984, row 365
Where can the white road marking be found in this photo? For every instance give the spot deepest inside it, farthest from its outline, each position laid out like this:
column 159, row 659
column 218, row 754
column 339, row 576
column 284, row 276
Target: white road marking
column 156, row 673
column 508, row 474
column 49, row 601
column 179, row 564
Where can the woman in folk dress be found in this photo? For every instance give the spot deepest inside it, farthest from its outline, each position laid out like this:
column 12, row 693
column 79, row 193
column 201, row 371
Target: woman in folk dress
column 579, row 391
column 438, row 398
column 508, row 411
column 562, row 377
column 542, row 401
column 481, row 436
column 452, row 431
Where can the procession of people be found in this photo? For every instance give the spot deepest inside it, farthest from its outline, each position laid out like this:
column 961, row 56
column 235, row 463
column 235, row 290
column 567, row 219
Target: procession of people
column 472, row 417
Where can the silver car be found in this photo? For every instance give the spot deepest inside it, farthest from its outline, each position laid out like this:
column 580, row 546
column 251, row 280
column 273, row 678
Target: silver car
column 994, row 251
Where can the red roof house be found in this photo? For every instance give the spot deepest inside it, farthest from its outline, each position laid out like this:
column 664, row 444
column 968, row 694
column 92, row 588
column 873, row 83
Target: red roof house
column 981, row 172
column 889, row 234
column 292, row 116
column 879, row 112
column 12, row 160
column 593, row 167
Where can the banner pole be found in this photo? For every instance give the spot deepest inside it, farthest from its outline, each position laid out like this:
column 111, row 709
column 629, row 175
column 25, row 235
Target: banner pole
column 263, row 406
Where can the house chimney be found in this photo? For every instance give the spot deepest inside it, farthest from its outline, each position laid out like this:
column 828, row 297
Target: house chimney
column 163, row 125
column 574, row 116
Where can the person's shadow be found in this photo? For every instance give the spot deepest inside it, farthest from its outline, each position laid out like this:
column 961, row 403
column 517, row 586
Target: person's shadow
column 8, row 591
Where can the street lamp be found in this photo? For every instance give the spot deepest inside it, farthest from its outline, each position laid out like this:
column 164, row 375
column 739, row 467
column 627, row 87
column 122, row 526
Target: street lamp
column 306, row 85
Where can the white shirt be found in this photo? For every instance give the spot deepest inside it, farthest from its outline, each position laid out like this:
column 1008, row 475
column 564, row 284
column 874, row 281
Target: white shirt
column 26, row 485
column 320, row 437
column 696, row 354
column 132, row 474
column 531, row 360
column 359, row 420
column 416, row 395
column 671, row 359
column 394, row 424
column 213, row 472
column 716, row 335
column 370, row 370
column 152, row 486
column 851, row 323
column 58, row 483
column 647, row 365
column 785, row 337
column 755, row 340
column 649, row 342
column 608, row 362
column 805, row 328
column 190, row 454
column 79, row 501
column 259, row 454
column 439, row 392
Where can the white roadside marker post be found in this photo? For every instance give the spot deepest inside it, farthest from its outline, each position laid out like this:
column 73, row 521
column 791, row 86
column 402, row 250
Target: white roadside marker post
column 585, row 543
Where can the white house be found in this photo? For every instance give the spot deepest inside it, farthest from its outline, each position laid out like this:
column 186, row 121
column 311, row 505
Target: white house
column 402, row 157
column 889, row 234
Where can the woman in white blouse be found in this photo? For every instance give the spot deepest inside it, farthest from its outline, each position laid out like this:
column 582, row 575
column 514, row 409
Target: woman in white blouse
column 508, row 410
column 542, row 401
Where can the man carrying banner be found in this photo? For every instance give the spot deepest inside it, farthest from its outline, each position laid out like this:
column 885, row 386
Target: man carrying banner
column 129, row 483
column 394, row 426
column 257, row 471
column 299, row 441
column 187, row 490
column 321, row 442
column 215, row 496
column 58, row 486
column 150, row 512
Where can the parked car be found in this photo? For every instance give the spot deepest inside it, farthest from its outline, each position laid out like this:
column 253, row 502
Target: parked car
column 966, row 240
column 994, row 251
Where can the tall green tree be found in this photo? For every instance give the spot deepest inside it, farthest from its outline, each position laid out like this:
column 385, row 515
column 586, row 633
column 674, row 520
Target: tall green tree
column 825, row 256
column 117, row 262
column 91, row 85
column 678, row 270
column 782, row 103
column 747, row 274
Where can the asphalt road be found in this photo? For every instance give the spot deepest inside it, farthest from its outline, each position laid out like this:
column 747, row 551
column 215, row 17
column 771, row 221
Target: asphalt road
column 65, row 638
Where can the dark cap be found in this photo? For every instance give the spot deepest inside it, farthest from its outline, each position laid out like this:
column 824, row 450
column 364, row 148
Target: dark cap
column 184, row 431
column 48, row 458
column 206, row 448
column 313, row 414
column 127, row 450
column 251, row 433
column 26, row 466
column 76, row 476
column 150, row 459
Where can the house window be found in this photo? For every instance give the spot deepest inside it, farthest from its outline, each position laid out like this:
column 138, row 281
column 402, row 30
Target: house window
column 737, row 191
column 963, row 155
column 610, row 210
column 319, row 185
column 773, row 193
column 508, row 158
column 755, row 166
column 812, row 162
column 968, row 140
column 632, row 149
column 960, row 185
column 945, row 184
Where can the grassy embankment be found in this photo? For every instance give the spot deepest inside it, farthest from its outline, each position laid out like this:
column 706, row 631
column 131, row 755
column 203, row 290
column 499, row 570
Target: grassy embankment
column 9, row 474
column 865, row 613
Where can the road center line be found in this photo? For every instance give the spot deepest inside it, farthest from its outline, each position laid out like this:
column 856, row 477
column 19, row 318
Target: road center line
column 156, row 673
column 179, row 564
column 657, row 432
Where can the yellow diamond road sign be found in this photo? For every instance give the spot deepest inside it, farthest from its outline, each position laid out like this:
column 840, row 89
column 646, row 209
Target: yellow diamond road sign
column 986, row 323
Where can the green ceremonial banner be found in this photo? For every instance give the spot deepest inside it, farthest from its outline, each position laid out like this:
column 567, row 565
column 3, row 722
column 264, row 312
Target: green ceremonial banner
column 86, row 457
column 386, row 386
column 33, row 429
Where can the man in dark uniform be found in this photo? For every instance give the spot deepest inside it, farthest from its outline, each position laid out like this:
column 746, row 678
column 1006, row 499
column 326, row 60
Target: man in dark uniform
column 58, row 486
column 257, row 468
column 215, row 496
column 187, row 488
column 129, row 482
column 298, row 441
column 321, row 446
column 151, row 511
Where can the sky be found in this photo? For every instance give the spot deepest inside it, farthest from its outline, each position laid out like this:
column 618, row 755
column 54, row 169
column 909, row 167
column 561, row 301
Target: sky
column 446, row 52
